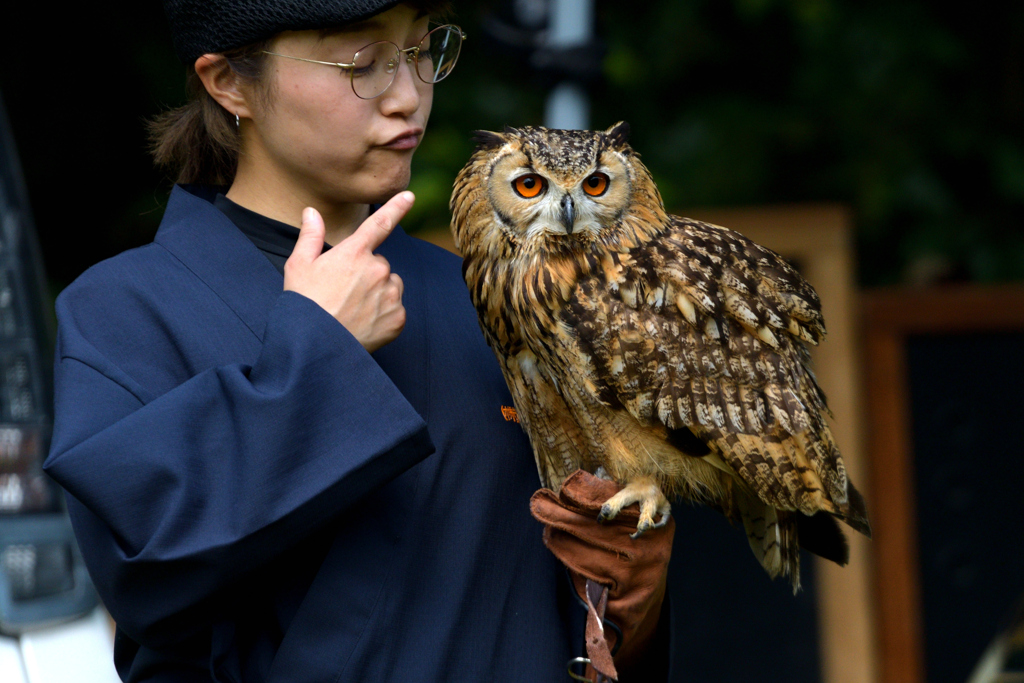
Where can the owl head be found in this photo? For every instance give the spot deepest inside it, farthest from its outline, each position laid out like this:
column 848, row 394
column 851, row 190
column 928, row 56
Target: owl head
column 537, row 188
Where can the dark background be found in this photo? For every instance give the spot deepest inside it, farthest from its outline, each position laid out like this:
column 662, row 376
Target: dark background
column 964, row 429
column 910, row 112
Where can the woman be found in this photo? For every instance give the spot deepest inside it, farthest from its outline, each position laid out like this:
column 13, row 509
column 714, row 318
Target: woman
column 251, row 488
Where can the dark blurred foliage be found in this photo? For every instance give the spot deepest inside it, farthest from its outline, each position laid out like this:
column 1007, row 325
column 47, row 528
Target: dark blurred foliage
column 79, row 81
column 910, row 112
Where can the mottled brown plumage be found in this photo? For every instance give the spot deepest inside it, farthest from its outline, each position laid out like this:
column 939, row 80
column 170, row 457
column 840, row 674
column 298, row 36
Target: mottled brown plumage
column 668, row 351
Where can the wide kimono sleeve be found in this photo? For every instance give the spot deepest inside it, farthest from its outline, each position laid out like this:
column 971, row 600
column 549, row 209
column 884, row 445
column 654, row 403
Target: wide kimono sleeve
column 175, row 497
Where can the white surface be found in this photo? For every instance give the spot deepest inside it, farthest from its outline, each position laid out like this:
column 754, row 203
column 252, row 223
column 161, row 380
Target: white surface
column 990, row 667
column 77, row 652
column 567, row 108
column 11, row 670
column 571, row 22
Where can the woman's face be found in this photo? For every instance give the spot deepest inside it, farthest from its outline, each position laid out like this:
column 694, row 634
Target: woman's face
column 318, row 137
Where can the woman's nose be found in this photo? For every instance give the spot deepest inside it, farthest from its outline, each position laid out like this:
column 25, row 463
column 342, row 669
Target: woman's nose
column 403, row 97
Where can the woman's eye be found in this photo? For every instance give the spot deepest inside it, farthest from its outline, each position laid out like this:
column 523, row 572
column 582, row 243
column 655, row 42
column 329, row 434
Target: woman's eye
column 364, row 70
column 596, row 184
column 528, row 186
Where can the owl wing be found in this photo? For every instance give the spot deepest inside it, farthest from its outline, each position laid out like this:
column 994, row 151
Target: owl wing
column 540, row 408
column 545, row 416
column 701, row 329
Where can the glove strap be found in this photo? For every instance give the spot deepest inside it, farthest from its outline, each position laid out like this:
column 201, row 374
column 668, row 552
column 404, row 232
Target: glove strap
column 597, row 645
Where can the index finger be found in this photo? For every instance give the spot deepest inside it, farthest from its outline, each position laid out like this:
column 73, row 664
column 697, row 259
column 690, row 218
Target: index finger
column 375, row 229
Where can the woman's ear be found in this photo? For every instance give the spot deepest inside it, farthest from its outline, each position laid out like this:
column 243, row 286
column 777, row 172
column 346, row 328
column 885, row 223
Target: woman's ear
column 222, row 83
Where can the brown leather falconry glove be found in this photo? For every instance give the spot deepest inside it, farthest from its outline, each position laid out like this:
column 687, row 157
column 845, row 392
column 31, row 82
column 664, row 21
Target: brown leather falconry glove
column 634, row 571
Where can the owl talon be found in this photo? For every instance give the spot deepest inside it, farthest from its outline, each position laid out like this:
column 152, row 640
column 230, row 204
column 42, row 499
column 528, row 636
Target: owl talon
column 642, row 527
column 646, row 524
column 647, row 493
column 663, row 508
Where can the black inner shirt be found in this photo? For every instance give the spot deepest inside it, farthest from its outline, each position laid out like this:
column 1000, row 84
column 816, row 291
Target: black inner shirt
column 275, row 239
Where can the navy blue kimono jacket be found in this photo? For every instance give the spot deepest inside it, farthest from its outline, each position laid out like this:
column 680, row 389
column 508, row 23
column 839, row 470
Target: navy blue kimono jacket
column 259, row 499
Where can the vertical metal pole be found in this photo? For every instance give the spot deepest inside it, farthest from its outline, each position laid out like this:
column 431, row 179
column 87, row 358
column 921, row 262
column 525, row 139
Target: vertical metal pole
column 571, row 24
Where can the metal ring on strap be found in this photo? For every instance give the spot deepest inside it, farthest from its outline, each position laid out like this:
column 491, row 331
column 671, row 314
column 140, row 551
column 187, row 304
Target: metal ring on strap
column 572, row 674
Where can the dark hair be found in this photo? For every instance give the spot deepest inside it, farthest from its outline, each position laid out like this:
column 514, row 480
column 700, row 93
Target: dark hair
column 198, row 142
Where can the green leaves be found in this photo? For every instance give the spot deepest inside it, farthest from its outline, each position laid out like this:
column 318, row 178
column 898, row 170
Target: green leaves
column 909, row 112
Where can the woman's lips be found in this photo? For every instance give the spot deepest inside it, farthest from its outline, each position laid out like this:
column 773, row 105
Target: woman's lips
column 407, row 140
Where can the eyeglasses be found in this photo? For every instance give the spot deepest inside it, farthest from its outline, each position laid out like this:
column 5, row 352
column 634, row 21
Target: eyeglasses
column 373, row 68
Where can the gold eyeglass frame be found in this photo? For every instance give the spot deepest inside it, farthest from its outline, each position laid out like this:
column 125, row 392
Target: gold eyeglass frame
column 412, row 54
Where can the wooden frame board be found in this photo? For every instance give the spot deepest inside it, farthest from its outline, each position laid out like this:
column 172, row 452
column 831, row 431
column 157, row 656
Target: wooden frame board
column 818, row 238
column 889, row 316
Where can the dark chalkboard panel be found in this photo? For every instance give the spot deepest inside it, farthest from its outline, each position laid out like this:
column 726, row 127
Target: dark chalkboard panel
column 967, row 417
column 943, row 371
column 730, row 622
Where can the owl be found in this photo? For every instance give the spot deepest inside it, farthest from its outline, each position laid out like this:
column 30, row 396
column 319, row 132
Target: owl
column 669, row 352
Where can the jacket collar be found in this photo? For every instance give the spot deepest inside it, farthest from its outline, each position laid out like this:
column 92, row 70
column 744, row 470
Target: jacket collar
column 217, row 252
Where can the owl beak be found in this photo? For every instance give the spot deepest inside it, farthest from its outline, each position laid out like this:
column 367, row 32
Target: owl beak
column 568, row 215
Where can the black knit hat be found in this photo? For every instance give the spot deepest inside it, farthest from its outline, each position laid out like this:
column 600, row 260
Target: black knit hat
column 201, row 26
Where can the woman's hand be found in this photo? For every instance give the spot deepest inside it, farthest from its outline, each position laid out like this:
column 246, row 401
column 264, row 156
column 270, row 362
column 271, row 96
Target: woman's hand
column 634, row 570
column 350, row 282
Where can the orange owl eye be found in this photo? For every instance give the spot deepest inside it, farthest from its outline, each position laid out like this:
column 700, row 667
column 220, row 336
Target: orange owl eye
column 528, row 186
column 596, row 184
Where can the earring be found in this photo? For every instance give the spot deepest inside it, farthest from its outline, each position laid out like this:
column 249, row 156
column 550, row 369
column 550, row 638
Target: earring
column 237, row 124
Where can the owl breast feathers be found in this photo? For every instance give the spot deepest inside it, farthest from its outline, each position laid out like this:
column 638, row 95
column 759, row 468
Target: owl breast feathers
column 670, row 352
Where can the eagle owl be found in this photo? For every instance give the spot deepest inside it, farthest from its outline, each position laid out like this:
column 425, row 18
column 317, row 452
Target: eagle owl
column 668, row 351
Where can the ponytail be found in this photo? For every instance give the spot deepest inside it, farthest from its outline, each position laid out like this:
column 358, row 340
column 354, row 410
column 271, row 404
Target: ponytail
column 199, row 142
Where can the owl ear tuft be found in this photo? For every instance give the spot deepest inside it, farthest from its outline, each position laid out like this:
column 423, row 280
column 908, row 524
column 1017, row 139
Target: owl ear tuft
column 618, row 134
column 485, row 139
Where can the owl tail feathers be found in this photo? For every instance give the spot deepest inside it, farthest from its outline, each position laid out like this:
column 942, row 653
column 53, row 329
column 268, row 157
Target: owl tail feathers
column 855, row 512
column 777, row 536
column 773, row 538
column 821, row 535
